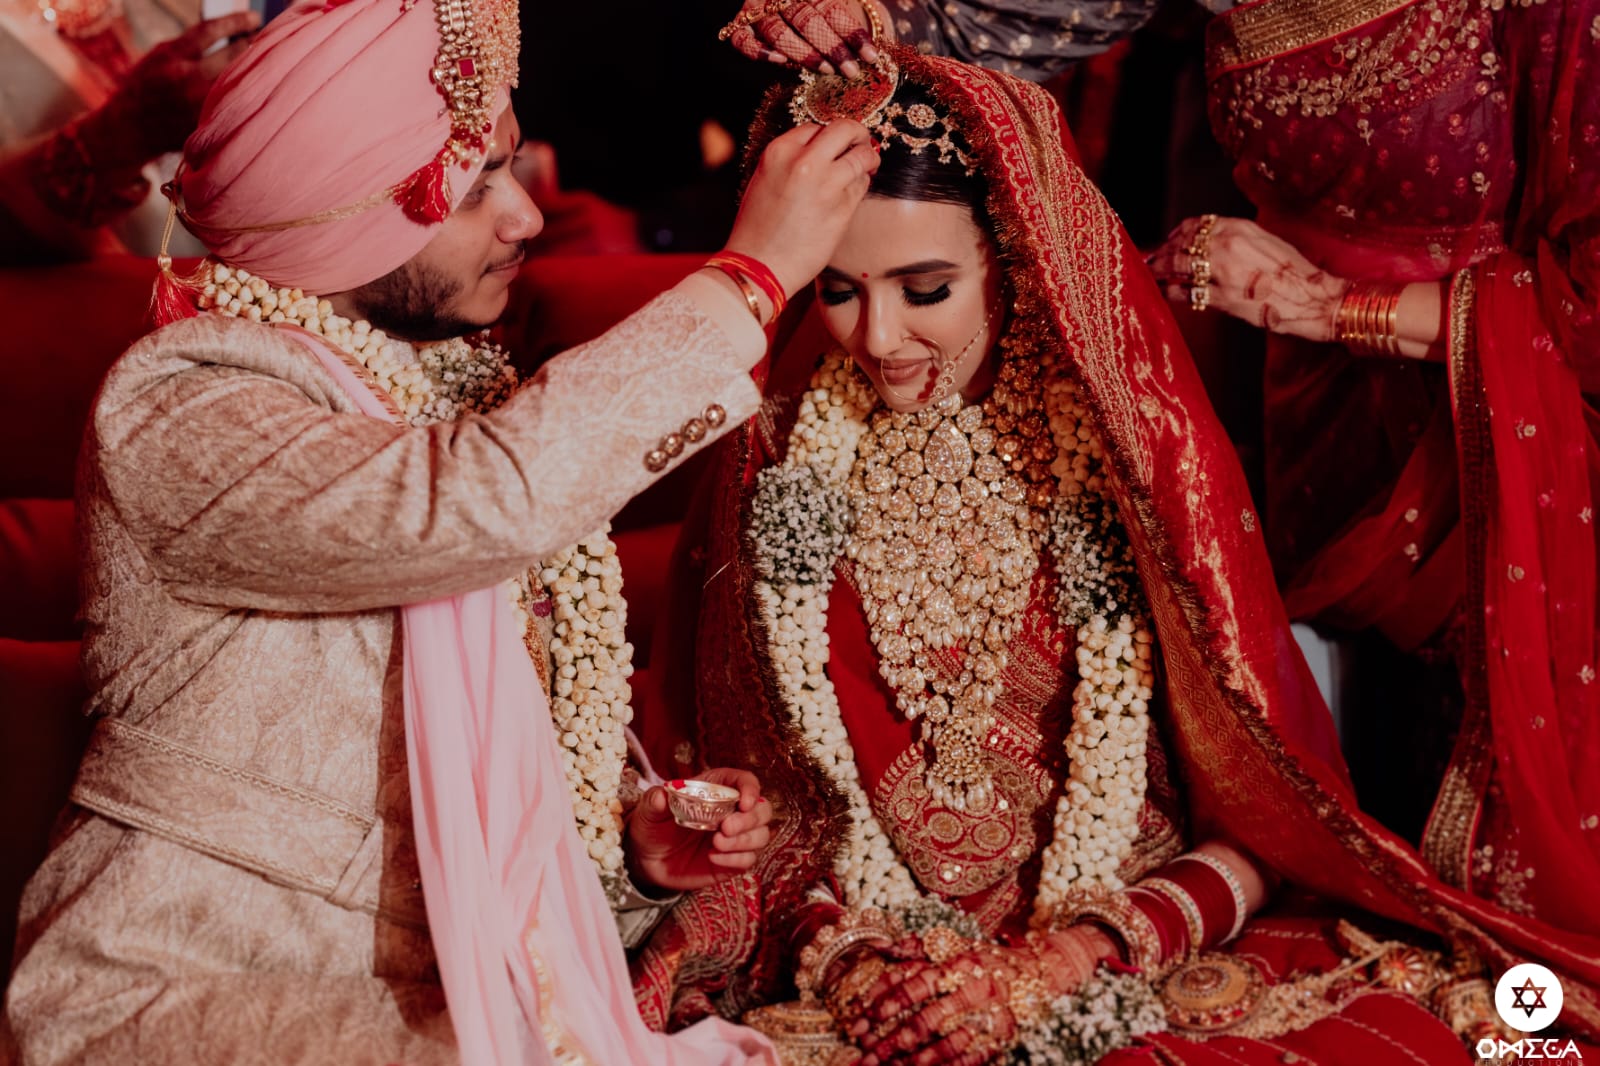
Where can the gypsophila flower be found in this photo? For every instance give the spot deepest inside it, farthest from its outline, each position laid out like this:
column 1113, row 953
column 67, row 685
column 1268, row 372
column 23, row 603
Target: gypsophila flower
column 798, row 524
column 928, row 913
column 1108, row 1012
column 1093, row 559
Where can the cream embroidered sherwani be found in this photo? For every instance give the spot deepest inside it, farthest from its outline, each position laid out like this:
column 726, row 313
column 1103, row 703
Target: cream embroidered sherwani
column 237, row 882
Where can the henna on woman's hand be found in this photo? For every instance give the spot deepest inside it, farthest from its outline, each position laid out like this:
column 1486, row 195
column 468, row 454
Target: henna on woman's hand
column 1254, row 276
column 822, row 35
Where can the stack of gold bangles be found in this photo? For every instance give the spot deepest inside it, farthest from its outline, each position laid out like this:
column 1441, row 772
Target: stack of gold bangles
column 1200, row 264
column 868, row 925
column 1367, row 321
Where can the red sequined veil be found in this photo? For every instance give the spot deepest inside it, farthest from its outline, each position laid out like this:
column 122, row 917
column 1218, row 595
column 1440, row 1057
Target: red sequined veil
column 1245, row 729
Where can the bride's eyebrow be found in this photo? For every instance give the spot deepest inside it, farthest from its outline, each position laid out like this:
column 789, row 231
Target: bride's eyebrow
column 924, row 266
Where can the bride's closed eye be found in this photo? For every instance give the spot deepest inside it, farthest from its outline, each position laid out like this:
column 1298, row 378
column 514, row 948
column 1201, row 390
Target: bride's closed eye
column 928, row 297
column 914, row 297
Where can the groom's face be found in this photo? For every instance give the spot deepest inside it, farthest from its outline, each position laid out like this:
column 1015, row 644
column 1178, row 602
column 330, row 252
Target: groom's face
column 459, row 283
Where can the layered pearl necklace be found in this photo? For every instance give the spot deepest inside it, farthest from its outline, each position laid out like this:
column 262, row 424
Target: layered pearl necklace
column 580, row 588
column 944, row 514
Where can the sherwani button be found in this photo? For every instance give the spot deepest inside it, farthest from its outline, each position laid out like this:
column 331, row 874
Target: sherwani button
column 672, row 444
column 655, row 460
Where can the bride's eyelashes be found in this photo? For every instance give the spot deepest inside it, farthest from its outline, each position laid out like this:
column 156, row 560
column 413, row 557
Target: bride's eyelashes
column 914, row 297
column 926, row 299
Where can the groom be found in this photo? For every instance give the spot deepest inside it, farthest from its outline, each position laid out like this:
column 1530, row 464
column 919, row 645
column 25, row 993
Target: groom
column 238, row 879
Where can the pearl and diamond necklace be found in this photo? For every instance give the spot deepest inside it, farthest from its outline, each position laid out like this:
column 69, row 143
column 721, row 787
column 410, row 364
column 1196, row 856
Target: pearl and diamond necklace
column 945, row 515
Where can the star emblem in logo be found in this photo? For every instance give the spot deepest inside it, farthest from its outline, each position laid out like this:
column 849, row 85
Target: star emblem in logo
column 1528, row 987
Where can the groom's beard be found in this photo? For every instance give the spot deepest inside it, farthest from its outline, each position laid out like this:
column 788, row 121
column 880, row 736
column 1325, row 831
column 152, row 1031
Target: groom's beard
column 413, row 302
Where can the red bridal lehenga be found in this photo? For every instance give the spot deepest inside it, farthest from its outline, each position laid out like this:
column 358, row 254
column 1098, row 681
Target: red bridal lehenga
column 1450, row 507
column 1241, row 745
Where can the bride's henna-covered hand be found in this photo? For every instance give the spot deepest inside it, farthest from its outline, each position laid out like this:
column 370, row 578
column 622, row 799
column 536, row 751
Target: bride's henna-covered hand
column 1254, row 276
column 825, row 35
column 960, row 1012
column 159, row 101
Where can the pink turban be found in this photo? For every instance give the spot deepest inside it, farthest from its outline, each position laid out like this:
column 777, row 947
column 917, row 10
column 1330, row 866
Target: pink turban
column 319, row 157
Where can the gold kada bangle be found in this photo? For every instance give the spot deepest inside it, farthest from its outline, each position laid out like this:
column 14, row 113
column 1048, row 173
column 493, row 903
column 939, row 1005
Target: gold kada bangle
column 1118, row 914
column 1193, row 920
column 869, row 925
column 1200, row 264
column 874, row 22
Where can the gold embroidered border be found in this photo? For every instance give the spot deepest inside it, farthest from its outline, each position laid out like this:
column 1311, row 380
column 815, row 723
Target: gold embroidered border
column 1258, row 31
column 564, row 1046
column 1447, row 838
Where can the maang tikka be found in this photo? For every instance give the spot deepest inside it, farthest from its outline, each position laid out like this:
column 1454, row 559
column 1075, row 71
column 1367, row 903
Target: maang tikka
column 869, row 100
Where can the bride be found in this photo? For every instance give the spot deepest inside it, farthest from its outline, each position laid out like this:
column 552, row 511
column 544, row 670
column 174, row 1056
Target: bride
column 982, row 598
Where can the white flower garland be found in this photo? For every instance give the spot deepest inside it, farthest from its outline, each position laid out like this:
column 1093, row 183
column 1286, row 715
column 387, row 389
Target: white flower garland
column 435, row 383
column 1096, row 820
column 590, row 701
column 1097, row 817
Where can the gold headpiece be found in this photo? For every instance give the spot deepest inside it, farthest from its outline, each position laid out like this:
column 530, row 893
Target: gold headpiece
column 479, row 45
column 869, row 99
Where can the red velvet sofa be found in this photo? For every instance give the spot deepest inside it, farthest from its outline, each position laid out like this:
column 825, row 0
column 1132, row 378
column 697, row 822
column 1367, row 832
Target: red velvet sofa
column 68, row 324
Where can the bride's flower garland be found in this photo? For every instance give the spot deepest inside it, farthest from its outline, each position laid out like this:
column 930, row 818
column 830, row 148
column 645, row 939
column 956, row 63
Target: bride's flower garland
column 590, row 697
column 795, row 554
column 1097, row 818
column 800, row 526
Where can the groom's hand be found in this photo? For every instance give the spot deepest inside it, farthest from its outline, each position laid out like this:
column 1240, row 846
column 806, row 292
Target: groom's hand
column 801, row 198
column 664, row 855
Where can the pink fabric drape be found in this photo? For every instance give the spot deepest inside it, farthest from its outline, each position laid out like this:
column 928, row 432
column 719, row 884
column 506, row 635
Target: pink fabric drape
column 533, row 969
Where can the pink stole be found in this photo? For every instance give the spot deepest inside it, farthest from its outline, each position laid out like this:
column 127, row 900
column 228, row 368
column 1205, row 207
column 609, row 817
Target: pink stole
column 532, row 966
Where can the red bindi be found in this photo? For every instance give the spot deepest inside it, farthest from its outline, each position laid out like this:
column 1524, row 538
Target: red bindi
column 863, row 276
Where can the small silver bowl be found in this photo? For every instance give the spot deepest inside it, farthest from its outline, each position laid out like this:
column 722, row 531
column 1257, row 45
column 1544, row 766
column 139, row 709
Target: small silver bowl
column 700, row 804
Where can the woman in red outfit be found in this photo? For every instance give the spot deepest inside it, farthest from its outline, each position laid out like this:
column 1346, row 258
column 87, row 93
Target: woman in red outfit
column 1427, row 257
column 982, row 598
